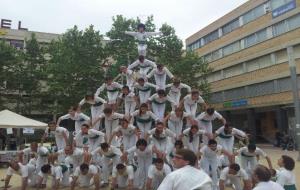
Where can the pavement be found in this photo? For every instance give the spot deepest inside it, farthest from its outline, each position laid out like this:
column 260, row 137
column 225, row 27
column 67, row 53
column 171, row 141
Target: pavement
column 274, row 154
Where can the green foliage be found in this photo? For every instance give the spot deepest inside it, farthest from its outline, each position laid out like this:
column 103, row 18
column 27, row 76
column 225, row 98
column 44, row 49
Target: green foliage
column 75, row 66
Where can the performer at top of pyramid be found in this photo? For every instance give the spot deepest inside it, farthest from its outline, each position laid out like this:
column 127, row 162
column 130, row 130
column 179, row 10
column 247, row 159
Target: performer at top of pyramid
column 142, row 36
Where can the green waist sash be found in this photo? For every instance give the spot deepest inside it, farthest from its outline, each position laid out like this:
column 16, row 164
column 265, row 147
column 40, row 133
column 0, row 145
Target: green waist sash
column 110, row 156
column 290, row 187
column 156, row 102
column 97, row 104
column 141, row 42
column 144, row 90
column 114, row 90
column 141, row 120
column 221, row 135
column 243, row 154
column 64, row 168
column 94, row 137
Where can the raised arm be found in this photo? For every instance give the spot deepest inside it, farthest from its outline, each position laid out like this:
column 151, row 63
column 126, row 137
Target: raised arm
column 100, row 89
column 131, row 33
column 170, row 75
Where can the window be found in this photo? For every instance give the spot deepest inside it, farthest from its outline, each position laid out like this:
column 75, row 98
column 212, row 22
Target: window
column 216, row 97
column 236, row 93
column 280, row 28
column 207, row 58
column 231, row 26
column 216, row 55
column 293, row 22
column 233, row 71
column 215, row 76
column 253, row 14
column 281, row 56
column 250, row 40
column 252, row 65
column 211, row 37
column 284, row 84
column 256, row 38
column 278, row 3
column 232, row 48
column 265, row 61
column 297, row 51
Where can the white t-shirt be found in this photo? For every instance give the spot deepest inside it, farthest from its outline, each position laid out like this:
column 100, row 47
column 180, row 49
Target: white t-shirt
column 233, row 133
column 258, row 152
column 241, row 174
column 129, row 131
column 204, row 116
column 23, row 171
column 209, row 153
column 127, row 98
column 166, row 133
column 92, row 171
column 174, row 118
column 188, row 100
column 58, row 133
column 114, row 86
column 113, row 116
column 186, row 178
column 153, row 172
column 267, row 186
column 112, row 151
column 156, row 99
column 128, row 173
column 93, row 102
column 175, row 90
column 285, row 177
column 56, row 172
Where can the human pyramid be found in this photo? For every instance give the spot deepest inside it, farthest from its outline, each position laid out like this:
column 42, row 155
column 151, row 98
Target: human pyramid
column 143, row 147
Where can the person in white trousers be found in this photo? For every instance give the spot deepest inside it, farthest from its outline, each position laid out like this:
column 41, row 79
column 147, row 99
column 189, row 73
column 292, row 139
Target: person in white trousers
column 158, row 103
column 262, row 179
column 156, row 174
column 129, row 99
column 175, row 89
column 143, row 119
column 191, row 138
column 127, row 76
column 87, row 175
column 144, row 90
column 160, row 76
column 190, row 101
column 122, row 177
column 141, row 35
column 144, row 66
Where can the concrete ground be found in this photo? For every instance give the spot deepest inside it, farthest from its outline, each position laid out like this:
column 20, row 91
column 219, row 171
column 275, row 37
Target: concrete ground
column 274, row 154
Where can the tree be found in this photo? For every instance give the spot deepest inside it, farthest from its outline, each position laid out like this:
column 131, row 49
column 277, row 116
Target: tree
column 75, row 67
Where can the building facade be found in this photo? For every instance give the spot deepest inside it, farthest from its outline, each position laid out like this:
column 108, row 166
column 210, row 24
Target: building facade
column 251, row 51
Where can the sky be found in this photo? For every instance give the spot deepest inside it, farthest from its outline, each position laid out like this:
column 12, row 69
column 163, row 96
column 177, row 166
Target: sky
column 56, row 16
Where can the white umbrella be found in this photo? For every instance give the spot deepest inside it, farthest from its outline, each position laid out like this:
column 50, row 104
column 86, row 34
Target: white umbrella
column 10, row 119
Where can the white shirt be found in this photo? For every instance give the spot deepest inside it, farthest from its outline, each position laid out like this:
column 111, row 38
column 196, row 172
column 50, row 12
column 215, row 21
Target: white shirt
column 186, row 178
column 144, row 66
column 114, row 86
column 188, row 100
column 233, row 133
column 130, row 130
column 56, row 172
column 166, row 133
column 95, row 101
column 113, row 116
column 175, row 90
column 270, row 185
column 174, row 118
column 77, row 117
column 206, row 117
column 158, row 73
column 92, row 171
column 209, row 153
column 156, row 99
column 146, row 87
column 142, row 36
column 153, row 172
column 148, row 115
column 257, row 152
column 127, row 98
column 286, row 177
column 147, row 153
column 76, row 157
column 23, row 171
column 112, row 151
column 128, row 173
column 58, row 133
column 241, row 174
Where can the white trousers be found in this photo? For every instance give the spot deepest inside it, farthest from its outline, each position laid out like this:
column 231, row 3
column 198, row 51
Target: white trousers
column 207, row 126
column 159, row 110
column 95, row 112
column 144, row 95
column 107, row 168
column 112, row 97
column 129, row 107
column 190, row 109
column 210, row 166
column 95, row 143
column 176, row 127
column 144, row 128
column 175, row 97
column 142, row 171
column 248, row 163
column 142, row 49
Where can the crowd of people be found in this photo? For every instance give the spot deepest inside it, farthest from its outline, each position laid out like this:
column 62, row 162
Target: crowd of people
column 132, row 141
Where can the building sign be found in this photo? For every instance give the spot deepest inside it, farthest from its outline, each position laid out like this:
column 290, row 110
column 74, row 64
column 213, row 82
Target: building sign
column 234, row 104
column 283, row 9
column 6, row 23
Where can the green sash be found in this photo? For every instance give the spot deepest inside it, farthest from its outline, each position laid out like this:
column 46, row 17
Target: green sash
column 243, row 154
column 156, row 102
column 141, row 120
column 290, row 187
column 142, row 42
column 111, row 155
column 144, row 66
column 94, row 137
column 114, row 90
column 223, row 136
column 85, row 140
column 97, row 104
column 144, row 90
column 64, row 168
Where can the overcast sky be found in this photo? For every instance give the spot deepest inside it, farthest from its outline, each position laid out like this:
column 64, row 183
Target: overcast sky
column 55, row 16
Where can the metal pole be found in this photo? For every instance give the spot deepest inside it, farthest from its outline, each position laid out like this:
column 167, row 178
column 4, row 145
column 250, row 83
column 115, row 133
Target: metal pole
column 292, row 65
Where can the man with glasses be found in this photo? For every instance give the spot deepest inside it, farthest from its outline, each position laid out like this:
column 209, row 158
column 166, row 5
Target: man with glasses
column 187, row 176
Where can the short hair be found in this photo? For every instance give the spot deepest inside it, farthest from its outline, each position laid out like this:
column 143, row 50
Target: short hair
column 51, row 123
column 108, row 78
column 235, row 167
column 45, row 168
column 141, row 80
column 158, row 161
column 120, row 166
column 195, row 92
column 144, row 105
column 89, row 95
column 159, row 123
column 252, row 147
column 104, row 145
column 125, row 87
column 288, row 162
column 74, row 108
column 141, row 142
column 124, row 119
column 212, row 142
column 188, row 155
column 179, row 143
column 107, row 110
column 161, row 92
column 141, row 58
column 160, row 65
column 85, row 125
column 210, row 111
column 176, row 81
column 84, row 167
column 262, row 173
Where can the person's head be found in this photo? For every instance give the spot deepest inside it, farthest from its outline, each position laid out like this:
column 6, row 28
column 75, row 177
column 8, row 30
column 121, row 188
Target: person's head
column 273, row 172
column 141, row 144
column 178, row 144
column 159, row 127
column 184, row 157
column 227, row 128
column 14, row 165
column 123, row 69
column 159, row 164
column 286, row 162
column 178, row 112
column 212, row 144
column 251, row 148
column 107, row 111
column 143, row 108
column 195, row 94
column 104, row 146
column 125, row 90
column 121, row 168
column 85, row 128
column 176, row 82
column 161, row 93
column 89, row 97
column 108, row 80
column 141, row 58
column 194, row 129
column 234, row 169
column 46, row 169
column 73, row 110
column 124, row 123
column 160, row 67
column 141, row 81
column 141, row 27
column 68, row 149
column 210, row 111
column 84, row 168
column 261, row 174
column 52, row 125
column 34, row 146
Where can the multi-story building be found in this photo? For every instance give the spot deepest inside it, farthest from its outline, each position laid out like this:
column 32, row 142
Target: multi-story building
column 251, row 51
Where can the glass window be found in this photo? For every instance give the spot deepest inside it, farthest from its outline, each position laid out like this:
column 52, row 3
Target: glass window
column 250, row 40
column 253, row 14
column 278, row 3
column 281, row 56
column 294, row 22
column 207, row 58
column 297, row 51
column 264, row 61
column 261, row 35
column 233, row 71
column 279, row 28
column 216, row 55
column 232, row 48
column 211, row 37
column 252, row 65
column 231, row 26
column 215, row 76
